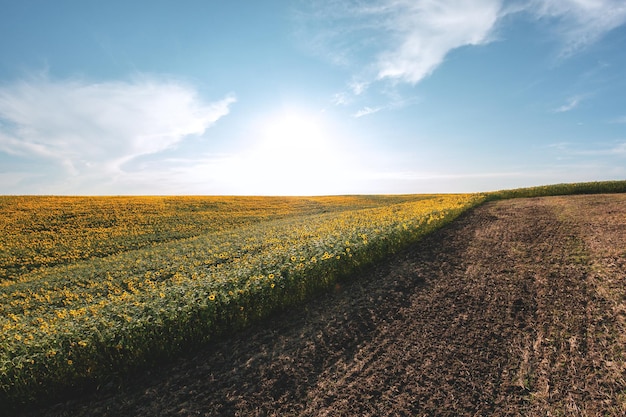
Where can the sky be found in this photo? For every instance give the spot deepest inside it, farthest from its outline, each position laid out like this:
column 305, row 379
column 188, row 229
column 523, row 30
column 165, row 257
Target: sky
column 309, row 97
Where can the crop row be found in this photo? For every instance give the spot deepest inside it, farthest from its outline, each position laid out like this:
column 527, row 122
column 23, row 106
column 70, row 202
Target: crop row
column 595, row 187
column 42, row 231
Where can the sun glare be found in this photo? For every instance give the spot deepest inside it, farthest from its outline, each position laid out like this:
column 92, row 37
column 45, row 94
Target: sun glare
column 294, row 153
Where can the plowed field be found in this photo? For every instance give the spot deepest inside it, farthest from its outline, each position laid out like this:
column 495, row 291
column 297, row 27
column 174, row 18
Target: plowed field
column 516, row 308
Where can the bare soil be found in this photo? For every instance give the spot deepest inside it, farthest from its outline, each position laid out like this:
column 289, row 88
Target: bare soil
column 516, row 308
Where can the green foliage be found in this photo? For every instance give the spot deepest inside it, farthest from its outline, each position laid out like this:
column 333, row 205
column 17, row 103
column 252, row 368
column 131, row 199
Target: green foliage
column 599, row 187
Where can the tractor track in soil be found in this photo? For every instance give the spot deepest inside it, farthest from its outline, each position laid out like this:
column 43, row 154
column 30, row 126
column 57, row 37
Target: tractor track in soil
column 516, row 308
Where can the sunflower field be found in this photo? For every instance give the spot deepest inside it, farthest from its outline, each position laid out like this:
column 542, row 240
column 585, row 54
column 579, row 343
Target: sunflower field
column 97, row 286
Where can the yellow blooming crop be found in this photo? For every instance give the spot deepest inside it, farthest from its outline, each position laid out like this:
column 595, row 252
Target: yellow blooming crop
column 101, row 283
column 39, row 232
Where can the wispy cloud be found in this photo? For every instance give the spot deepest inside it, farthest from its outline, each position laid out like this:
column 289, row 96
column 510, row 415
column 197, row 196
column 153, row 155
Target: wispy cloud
column 571, row 104
column 95, row 128
column 392, row 41
column 393, row 101
column 614, row 149
column 424, row 32
column 366, row 111
column 400, row 40
column 341, row 99
column 404, row 41
column 358, row 87
column 580, row 23
column 348, row 96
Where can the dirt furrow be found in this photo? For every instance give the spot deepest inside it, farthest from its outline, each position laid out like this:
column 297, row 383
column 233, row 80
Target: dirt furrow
column 517, row 308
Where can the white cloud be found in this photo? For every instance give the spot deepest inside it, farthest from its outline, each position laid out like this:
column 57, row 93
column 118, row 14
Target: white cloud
column 571, row 104
column 404, row 41
column 287, row 151
column 94, row 128
column 341, row 99
column 365, row 111
column 348, row 96
column 424, row 32
column 401, row 41
column 580, row 23
column 358, row 87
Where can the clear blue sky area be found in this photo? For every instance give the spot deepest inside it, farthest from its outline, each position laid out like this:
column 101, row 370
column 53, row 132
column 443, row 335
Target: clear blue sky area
column 309, row 97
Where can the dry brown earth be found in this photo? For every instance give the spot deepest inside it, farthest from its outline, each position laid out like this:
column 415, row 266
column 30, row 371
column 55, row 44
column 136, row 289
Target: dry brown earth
column 517, row 308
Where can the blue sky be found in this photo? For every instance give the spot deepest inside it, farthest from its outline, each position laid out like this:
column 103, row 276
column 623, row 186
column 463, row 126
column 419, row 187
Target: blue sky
column 309, row 97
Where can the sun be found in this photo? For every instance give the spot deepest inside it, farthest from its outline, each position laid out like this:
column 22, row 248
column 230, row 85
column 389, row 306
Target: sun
column 294, row 152
column 293, row 136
